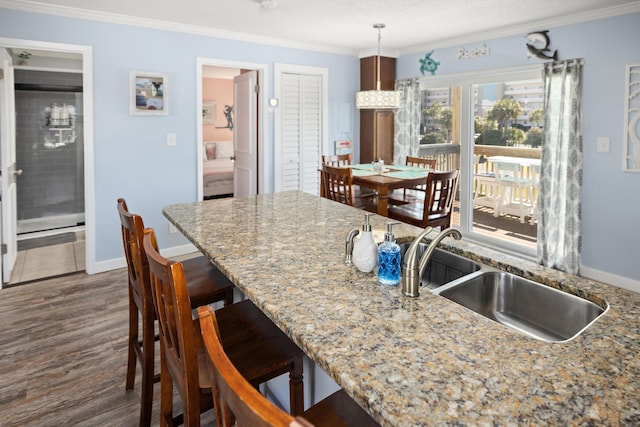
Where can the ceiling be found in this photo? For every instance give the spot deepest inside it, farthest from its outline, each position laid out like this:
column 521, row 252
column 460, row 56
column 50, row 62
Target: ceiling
column 342, row 26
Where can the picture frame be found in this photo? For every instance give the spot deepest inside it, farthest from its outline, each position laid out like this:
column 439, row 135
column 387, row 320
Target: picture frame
column 344, row 146
column 631, row 148
column 209, row 112
column 148, row 93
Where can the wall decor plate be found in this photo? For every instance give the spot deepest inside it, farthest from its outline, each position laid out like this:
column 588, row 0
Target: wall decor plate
column 631, row 150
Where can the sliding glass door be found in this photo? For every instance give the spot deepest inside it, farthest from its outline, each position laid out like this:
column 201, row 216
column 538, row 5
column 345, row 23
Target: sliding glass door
column 489, row 126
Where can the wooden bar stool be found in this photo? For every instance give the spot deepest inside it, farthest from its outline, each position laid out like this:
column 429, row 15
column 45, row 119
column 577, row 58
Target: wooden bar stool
column 260, row 350
column 207, row 285
column 237, row 402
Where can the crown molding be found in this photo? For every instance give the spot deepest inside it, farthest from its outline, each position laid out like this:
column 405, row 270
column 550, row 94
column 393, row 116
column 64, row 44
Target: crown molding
column 72, row 12
column 509, row 31
column 113, row 18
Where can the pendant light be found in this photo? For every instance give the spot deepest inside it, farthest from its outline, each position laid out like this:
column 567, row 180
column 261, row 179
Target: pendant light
column 378, row 99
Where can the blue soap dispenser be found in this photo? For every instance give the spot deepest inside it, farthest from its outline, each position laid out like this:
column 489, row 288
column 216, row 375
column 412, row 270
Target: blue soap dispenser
column 389, row 259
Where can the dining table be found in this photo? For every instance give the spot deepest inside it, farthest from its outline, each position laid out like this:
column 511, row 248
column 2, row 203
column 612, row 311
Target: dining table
column 389, row 178
column 415, row 361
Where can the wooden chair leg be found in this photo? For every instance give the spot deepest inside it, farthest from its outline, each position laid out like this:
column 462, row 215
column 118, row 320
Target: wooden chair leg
column 229, row 297
column 296, row 388
column 166, row 394
column 148, row 368
column 133, row 342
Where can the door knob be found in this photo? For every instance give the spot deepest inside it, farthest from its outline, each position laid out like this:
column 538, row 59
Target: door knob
column 232, row 158
column 17, row 172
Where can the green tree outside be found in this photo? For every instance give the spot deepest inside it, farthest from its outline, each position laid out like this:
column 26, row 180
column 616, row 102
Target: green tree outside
column 504, row 111
column 442, row 116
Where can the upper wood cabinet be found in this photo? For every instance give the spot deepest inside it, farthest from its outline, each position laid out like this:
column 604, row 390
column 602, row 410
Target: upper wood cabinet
column 369, row 73
column 376, row 126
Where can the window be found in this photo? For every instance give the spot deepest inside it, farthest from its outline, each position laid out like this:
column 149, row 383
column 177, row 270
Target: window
column 489, row 125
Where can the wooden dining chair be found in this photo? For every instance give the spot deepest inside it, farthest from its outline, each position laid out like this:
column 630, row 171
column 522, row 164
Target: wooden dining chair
column 206, row 285
column 407, row 195
column 335, row 160
column 238, row 403
column 421, row 162
column 338, row 184
column 256, row 346
column 344, row 160
column 435, row 210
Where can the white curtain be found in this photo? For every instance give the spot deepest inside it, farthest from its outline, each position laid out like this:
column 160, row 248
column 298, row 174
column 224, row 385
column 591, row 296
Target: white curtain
column 406, row 121
column 559, row 204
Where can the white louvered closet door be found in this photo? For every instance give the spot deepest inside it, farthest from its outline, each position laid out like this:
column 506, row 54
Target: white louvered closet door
column 301, row 132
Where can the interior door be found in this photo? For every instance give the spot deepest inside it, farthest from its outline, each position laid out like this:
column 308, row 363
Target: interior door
column 245, row 134
column 8, row 168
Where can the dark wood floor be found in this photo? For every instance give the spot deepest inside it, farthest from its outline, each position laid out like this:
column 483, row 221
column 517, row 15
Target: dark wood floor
column 63, row 355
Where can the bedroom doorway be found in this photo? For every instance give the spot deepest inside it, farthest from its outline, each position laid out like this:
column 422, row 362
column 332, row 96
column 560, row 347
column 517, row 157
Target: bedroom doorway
column 224, row 116
column 218, row 131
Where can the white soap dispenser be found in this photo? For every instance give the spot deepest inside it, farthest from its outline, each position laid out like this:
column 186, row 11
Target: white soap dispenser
column 365, row 250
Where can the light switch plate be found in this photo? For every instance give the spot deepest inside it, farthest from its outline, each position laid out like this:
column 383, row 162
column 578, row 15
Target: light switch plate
column 602, row 144
column 171, row 139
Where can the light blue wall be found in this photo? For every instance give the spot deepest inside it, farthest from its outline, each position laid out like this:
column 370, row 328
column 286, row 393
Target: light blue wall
column 131, row 156
column 611, row 201
column 611, row 198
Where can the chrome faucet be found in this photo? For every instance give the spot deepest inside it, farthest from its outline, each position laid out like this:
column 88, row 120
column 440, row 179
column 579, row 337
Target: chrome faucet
column 348, row 248
column 413, row 268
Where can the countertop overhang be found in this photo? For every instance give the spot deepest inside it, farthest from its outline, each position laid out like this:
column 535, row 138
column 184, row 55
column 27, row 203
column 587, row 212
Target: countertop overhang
column 425, row 360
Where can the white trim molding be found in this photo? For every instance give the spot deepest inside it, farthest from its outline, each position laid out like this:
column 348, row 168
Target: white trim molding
column 264, row 168
column 114, row 18
column 576, row 18
column 89, row 172
column 610, row 279
column 74, row 12
column 278, row 70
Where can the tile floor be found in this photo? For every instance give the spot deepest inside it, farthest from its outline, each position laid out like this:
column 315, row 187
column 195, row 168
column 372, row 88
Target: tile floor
column 50, row 261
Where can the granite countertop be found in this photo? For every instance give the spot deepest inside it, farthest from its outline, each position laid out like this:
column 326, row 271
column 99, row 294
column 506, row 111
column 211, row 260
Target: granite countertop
column 424, row 360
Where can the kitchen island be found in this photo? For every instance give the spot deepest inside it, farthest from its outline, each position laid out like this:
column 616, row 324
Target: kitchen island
column 425, row 360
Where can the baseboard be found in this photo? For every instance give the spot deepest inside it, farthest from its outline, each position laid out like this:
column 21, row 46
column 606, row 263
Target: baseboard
column 112, row 264
column 116, row 263
column 610, row 279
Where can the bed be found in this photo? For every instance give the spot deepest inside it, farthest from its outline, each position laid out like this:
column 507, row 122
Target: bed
column 217, row 171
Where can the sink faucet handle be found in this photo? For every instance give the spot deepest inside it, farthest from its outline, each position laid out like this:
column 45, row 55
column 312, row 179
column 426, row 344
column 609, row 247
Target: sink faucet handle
column 348, row 248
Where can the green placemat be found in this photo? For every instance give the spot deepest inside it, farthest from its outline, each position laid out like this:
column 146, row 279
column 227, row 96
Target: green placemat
column 407, row 174
column 364, row 166
column 362, row 172
column 408, row 168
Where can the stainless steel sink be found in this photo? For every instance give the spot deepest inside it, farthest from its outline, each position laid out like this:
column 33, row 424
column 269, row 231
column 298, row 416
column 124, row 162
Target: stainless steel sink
column 444, row 267
column 531, row 308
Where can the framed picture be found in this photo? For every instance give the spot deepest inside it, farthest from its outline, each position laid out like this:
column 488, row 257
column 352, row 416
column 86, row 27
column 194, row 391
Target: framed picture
column 149, row 94
column 209, row 112
column 344, row 147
